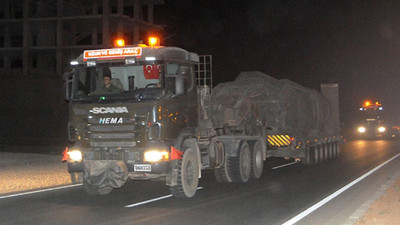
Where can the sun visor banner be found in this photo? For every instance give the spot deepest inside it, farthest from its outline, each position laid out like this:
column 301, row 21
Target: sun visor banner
column 112, row 53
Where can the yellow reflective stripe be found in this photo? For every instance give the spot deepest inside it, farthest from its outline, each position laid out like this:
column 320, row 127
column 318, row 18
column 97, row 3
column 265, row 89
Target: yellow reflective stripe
column 279, row 140
column 272, row 141
column 282, row 138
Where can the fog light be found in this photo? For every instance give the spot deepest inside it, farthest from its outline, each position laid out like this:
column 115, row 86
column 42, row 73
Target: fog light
column 75, row 156
column 155, row 156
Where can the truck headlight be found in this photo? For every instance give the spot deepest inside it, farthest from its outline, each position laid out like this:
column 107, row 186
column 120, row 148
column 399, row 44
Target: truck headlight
column 75, row 156
column 382, row 129
column 361, row 129
column 155, row 156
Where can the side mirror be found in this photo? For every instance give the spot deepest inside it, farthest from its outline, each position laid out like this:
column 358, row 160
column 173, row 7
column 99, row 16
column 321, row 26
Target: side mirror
column 68, row 90
column 179, row 85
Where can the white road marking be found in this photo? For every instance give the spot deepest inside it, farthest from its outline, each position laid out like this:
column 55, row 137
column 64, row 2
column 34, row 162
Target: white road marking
column 338, row 192
column 152, row 200
column 277, row 167
column 39, row 191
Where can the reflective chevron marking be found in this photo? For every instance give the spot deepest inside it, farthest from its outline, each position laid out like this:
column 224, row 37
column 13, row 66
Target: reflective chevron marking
column 279, row 140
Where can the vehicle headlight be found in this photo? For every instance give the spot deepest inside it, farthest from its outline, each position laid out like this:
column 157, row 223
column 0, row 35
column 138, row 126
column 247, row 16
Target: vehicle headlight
column 382, row 129
column 361, row 129
column 75, row 155
column 156, row 155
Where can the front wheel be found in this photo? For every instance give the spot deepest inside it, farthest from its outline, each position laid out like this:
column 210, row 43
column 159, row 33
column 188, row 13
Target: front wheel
column 188, row 175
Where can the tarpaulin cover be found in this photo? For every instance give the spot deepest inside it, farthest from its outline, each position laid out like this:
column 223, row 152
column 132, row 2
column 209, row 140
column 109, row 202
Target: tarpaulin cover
column 282, row 105
column 105, row 173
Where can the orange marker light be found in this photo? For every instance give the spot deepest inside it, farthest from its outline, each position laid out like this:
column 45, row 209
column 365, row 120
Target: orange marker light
column 119, row 42
column 154, row 41
column 367, row 103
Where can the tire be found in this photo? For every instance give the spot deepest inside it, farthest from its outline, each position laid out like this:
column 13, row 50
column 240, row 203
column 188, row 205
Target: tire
column 257, row 161
column 95, row 190
column 308, row 160
column 325, row 154
column 188, row 175
column 240, row 166
column 328, row 151
column 316, row 159
column 335, row 150
column 222, row 173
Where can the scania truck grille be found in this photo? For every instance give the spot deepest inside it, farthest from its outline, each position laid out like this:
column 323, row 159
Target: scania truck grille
column 116, row 136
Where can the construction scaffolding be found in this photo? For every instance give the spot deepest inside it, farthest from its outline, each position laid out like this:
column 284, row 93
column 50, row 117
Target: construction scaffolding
column 39, row 37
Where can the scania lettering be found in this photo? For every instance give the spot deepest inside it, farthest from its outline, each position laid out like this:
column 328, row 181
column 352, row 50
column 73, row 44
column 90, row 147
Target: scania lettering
column 164, row 120
column 104, row 110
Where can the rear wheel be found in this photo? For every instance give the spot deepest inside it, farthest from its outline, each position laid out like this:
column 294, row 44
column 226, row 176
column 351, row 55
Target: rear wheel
column 222, row 173
column 257, row 161
column 241, row 165
column 188, row 175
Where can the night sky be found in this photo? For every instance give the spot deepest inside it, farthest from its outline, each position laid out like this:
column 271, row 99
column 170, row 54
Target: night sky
column 353, row 43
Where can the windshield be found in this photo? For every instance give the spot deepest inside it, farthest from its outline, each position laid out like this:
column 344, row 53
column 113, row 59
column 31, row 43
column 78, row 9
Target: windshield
column 136, row 82
column 118, row 81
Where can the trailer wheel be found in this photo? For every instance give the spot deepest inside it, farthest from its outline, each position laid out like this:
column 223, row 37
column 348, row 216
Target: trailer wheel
column 316, row 156
column 308, row 159
column 257, row 161
column 335, row 150
column 222, row 173
column 241, row 165
column 332, row 147
column 328, row 151
column 325, row 149
column 94, row 189
column 188, row 175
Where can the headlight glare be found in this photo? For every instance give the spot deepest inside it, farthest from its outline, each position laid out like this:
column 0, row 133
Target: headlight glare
column 381, row 129
column 75, row 155
column 361, row 129
column 156, row 155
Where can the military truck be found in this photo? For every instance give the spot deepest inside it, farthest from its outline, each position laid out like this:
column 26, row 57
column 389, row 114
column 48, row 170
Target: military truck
column 167, row 122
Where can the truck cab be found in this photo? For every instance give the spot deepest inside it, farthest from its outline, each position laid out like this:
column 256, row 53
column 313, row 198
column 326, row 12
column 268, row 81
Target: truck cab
column 129, row 131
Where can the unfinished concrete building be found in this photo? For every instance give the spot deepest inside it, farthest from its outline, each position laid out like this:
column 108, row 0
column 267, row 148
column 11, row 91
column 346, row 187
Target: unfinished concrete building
column 39, row 38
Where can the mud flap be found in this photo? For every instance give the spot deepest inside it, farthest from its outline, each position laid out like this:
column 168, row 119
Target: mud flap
column 105, row 173
column 172, row 176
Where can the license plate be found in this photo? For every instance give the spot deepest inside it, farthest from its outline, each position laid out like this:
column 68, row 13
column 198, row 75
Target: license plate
column 142, row 168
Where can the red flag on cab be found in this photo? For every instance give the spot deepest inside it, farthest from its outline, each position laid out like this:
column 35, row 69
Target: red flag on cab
column 151, row 71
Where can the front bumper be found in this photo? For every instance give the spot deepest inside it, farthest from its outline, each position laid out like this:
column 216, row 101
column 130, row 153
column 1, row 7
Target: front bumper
column 133, row 160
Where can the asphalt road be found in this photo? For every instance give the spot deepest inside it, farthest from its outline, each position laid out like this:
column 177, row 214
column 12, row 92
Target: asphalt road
column 281, row 194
